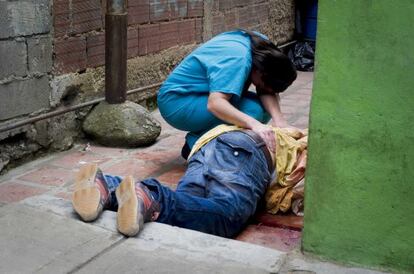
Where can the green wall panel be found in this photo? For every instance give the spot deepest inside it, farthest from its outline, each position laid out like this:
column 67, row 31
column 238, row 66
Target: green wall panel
column 359, row 204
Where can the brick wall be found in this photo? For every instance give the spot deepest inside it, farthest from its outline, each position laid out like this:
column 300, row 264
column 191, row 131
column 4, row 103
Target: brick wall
column 43, row 39
column 245, row 14
column 52, row 52
column 153, row 25
column 275, row 18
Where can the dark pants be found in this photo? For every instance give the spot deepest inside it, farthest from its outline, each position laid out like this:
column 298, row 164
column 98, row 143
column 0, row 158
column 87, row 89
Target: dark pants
column 220, row 190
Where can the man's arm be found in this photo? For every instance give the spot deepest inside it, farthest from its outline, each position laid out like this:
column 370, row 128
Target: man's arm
column 219, row 105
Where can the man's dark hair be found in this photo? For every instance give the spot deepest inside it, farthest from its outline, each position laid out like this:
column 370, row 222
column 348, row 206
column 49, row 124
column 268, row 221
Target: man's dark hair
column 278, row 72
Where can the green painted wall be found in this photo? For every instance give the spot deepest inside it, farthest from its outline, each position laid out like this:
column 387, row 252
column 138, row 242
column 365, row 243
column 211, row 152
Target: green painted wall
column 360, row 178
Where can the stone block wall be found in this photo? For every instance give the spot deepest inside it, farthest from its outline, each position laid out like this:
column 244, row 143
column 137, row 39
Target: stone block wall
column 26, row 57
column 53, row 53
column 25, row 72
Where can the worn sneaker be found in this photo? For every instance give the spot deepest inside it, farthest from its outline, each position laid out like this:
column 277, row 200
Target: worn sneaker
column 135, row 206
column 91, row 193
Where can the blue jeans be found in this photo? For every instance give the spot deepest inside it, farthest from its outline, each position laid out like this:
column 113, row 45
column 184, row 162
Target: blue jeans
column 221, row 188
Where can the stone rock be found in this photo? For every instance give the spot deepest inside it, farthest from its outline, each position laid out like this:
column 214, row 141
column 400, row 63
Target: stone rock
column 126, row 124
column 62, row 130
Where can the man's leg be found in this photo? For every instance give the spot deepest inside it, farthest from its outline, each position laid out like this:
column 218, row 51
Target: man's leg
column 233, row 176
column 193, row 181
column 193, row 212
column 94, row 192
column 136, row 205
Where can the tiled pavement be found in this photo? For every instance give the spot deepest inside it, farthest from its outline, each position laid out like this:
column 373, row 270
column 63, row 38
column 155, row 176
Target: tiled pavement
column 54, row 175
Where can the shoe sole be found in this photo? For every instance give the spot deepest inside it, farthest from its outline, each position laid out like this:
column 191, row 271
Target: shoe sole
column 128, row 221
column 86, row 196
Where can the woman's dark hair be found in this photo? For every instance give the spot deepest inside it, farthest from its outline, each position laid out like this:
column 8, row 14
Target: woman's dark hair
column 278, row 72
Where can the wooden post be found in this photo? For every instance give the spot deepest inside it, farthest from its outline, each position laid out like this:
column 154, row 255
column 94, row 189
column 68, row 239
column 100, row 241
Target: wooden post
column 116, row 23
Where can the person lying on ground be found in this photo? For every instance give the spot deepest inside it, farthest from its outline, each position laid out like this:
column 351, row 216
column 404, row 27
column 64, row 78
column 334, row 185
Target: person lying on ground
column 211, row 87
column 227, row 175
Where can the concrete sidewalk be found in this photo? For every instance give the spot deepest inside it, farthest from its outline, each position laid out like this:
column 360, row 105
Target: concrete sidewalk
column 38, row 241
column 41, row 233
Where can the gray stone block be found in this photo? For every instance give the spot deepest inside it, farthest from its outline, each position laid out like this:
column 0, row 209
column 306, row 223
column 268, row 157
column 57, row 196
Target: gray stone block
column 14, row 58
column 298, row 263
column 23, row 97
column 38, row 242
column 24, row 17
column 141, row 256
column 40, row 54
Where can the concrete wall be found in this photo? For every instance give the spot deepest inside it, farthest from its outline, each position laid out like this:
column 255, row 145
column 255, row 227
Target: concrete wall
column 53, row 53
column 26, row 57
column 359, row 181
column 25, row 72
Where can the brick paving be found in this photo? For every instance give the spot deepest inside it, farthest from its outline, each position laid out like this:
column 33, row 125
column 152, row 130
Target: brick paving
column 272, row 237
column 53, row 175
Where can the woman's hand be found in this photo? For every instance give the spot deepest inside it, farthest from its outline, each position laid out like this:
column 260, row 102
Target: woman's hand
column 267, row 134
column 218, row 104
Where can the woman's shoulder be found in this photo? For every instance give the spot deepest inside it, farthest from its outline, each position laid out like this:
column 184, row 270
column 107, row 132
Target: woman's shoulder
column 234, row 43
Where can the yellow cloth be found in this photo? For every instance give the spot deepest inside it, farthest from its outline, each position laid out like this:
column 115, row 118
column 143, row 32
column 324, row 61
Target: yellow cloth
column 290, row 164
column 210, row 135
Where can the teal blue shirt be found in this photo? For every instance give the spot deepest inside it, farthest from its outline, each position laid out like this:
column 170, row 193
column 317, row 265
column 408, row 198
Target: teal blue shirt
column 222, row 64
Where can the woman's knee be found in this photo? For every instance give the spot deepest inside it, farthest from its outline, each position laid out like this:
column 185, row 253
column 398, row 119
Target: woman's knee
column 186, row 112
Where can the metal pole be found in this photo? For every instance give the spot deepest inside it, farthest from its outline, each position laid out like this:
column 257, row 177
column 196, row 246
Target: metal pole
column 116, row 23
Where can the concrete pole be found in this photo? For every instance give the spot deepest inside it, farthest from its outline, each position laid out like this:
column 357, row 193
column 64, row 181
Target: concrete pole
column 116, row 23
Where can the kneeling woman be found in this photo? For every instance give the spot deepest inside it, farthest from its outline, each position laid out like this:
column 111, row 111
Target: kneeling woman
column 210, row 87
